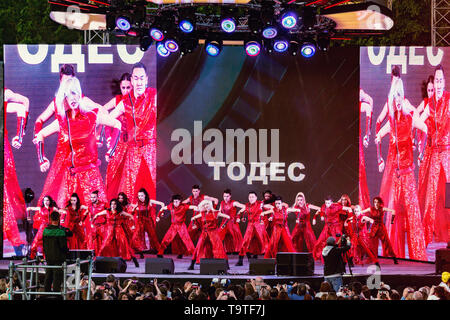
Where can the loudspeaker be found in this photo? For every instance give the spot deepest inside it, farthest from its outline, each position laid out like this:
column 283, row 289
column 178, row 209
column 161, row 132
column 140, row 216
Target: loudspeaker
column 110, row 265
column 214, row 266
column 159, row 266
column 81, row 254
column 447, row 195
column 442, row 260
column 262, row 266
column 295, row 263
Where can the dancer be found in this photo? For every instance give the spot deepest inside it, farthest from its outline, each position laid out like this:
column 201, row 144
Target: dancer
column 333, row 226
column 230, row 233
column 13, row 201
column 402, row 118
column 130, row 225
column 115, row 166
column 303, row 232
column 138, row 167
column 280, row 239
column 116, row 243
column 378, row 230
column 255, row 238
column 365, row 106
column 356, row 227
column 94, row 225
column 145, row 215
column 40, row 221
column 71, row 217
column 195, row 226
column 76, row 120
column 436, row 217
column 209, row 244
column 177, row 231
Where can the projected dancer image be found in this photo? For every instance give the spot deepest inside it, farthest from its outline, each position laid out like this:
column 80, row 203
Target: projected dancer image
column 138, row 167
column 13, row 201
column 112, row 180
column 77, row 117
column 402, row 119
column 436, row 218
column 365, row 107
column 303, row 232
column 209, row 244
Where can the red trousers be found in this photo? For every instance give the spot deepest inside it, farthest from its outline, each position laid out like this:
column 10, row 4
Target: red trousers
column 301, row 234
column 231, row 237
column 255, row 239
column 209, row 245
column 330, row 230
column 179, row 230
column 378, row 233
column 145, row 225
column 280, row 241
column 361, row 248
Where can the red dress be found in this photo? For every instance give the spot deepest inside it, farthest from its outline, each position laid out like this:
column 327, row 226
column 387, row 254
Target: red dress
column 303, row 231
column 95, row 229
column 72, row 221
column 280, row 240
column 358, row 237
column 406, row 204
column 378, row 232
column 136, row 167
column 209, row 244
column 13, row 202
column 42, row 216
column 333, row 226
column 116, row 165
column 436, row 217
column 255, row 238
column 178, row 230
column 145, row 223
column 230, row 233
column 115, row 240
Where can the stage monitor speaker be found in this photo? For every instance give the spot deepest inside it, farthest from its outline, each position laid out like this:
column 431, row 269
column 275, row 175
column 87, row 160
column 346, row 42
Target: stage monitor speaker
column 214, row 266
column 81, row 254
column 159, row 266
column 262, row 266
column 110, row 265
column 295, row 263
column 442, row 260
column 447, row 195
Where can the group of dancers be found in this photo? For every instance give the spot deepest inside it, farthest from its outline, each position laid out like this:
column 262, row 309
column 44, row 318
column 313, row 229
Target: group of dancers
column 421, row 214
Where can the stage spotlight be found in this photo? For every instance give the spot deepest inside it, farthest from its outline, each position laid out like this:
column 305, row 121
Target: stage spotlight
column 156, row 34
column 213, row 47
column 186, row 26
column 309, row 17
column 161, row 49
column 228, row 24
column 288, row 19
column 171, row 45
column 280, row 45
column 123, row 23
column 308, row 49
column 186, row 19
column 145, row 42
column 323, row 42
column 269, row 32
column 252, row 48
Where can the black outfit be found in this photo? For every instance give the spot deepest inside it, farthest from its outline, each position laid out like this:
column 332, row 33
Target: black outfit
column 55, row 252
column 334, row 265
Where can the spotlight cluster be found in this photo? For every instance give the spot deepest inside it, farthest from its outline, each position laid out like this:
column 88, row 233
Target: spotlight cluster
column 277, row 28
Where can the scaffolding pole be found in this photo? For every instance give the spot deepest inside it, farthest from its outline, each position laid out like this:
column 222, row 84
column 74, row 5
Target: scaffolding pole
column 440, row 23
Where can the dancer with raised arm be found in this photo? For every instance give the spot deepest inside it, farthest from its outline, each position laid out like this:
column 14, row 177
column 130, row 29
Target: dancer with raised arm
column 71, row 218
column 303, row 232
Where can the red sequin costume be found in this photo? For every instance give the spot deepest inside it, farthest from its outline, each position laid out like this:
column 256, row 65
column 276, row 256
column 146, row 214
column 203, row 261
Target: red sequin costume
column 42, row 217
column 13, row 201
column 209, row 244
column 424, row 169
column 436, row 217
column 145, row 223
column 378, row 232
column 406, row 203
column 136, row 168
column 115, row 240
column 178, row 230
column 255, row 238
column 332, row 227
column 72, row 221
column 194, row 233
column 303, row 231
column 95, row 229
column 360, row 245
column 280, row 240
column 230, row 233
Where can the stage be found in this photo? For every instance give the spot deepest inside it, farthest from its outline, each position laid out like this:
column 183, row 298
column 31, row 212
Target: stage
column 406, row 273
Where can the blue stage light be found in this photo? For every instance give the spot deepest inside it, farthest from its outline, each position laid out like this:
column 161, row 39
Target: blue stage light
column 269, row 32
column 280, row 45
column 228, row 25
column 289, row 20
column 162, row 51
column 186, row 26
column 156, row 34
column 213, row 48
column 252, row 48
column 123, row 23
column 171, row 45
column 308, row 50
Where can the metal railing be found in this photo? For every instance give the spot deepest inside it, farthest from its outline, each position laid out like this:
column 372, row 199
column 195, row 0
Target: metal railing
column 32, row 267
